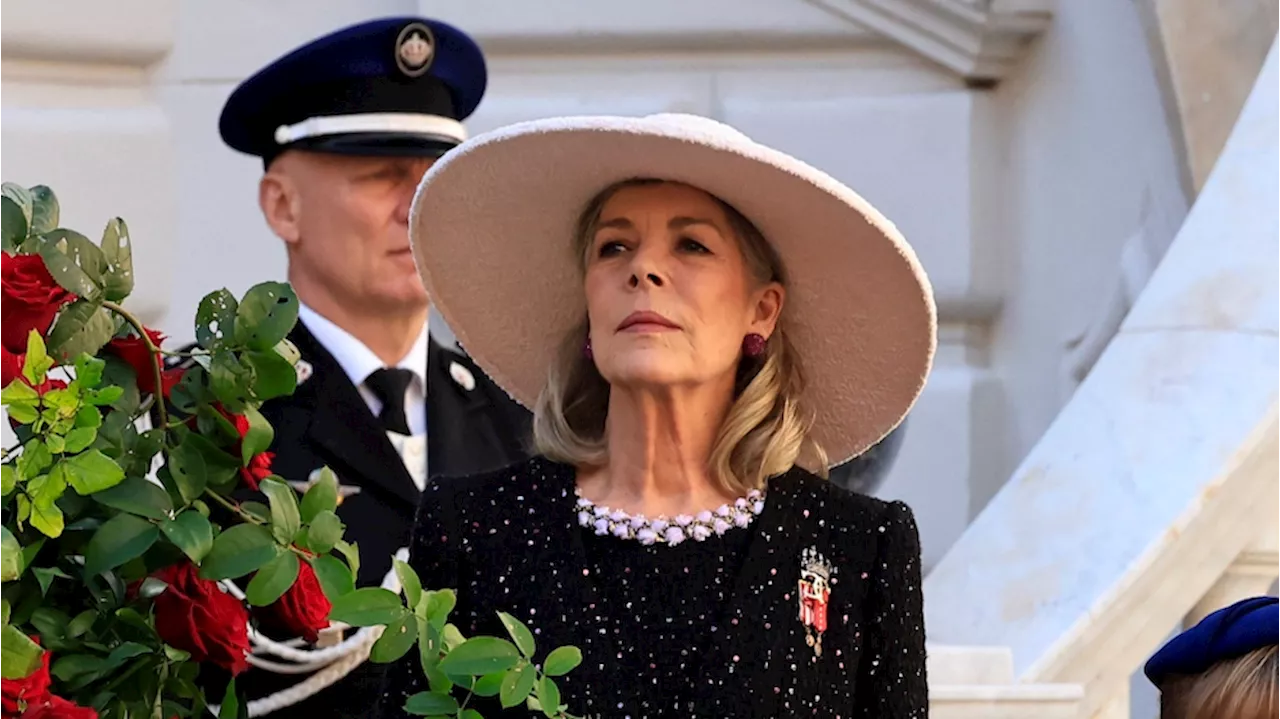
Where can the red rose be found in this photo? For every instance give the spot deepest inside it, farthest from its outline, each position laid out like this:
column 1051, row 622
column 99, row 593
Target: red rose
column 59, row 708
column 303, row 610
column 195, row 615
column 260, row 464
column 17, row 694
column 133, row 349
column 31, row 299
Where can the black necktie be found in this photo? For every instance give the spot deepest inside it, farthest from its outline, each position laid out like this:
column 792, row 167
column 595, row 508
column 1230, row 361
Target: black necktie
column 390, row 385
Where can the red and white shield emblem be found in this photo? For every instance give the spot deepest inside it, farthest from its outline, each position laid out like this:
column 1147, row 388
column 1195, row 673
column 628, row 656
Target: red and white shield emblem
column 815, row 592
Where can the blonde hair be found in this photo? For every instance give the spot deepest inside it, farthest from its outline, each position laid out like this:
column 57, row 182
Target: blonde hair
column 765, row 430
column 1241, row 688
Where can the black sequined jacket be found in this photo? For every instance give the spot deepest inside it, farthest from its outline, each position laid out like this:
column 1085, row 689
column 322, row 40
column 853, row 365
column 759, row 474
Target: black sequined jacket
column 510, row 541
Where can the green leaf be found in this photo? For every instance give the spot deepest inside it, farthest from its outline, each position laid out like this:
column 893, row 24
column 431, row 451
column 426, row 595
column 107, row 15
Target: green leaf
column 20, row 196
column 23, row 412
column 45, row 576
column 273, row 376
column 520, row 634
column 89, row 371
column 396, row 641
column 152, row 587
column 92, row 472
column 47, row 488
column 285, row 520
column 335, row 578
column 216, row 319
column 452, row 637
column 516, row 685
column 430, row 704
column 82, row 326
column 50, row 622
column 258, row 438
column 321, row 495
column 74, row 261
column 366, row 607
column 8, row 479
column 410, row 584
column 79, row 439
column 19, row 392
column 5, row 610
column 34, row 459
column 57, row 443
column 37, row 362
column 273, row 580
column 230, row 381
column 197, row 463
column 19, row 656
column 548, row 696
column 470, row 714
column 350, row 550
column 562, row 661
column 436, row 605
column 489, row 685
column 71, row 666
column 481, row 655
column 324, row 532
column 266, row 315
column 82, row 623
column 238, row 551
column 120, row 539
column 10, row 556
column 47, row 519
column 88, row 418
column 117, row 249
column 190, row 532
column 230, row 708
column 13, row 225
column 138, row 496
column 429, row 656
column 118, row 373
column 44, row 210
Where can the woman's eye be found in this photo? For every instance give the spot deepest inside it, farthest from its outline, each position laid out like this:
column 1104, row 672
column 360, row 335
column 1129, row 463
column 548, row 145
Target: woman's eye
column 611, row 248
column 688, row 244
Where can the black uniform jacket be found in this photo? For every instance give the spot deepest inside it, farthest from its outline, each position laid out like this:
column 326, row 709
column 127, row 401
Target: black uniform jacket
column 510, row 541
column 326, row 423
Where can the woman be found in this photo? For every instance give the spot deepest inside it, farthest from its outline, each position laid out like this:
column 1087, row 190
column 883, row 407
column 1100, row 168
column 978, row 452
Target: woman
column 653, row 288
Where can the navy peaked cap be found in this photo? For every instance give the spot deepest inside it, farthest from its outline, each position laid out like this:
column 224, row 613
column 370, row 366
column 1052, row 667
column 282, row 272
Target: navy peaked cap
column 394, row 86
column 1228, row 633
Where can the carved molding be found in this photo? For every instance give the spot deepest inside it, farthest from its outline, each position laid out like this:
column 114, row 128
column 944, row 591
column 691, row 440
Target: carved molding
column 982, row 40
column 121, row 32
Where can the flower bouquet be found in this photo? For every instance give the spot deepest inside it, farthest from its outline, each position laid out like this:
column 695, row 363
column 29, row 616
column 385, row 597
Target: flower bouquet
column 126, row 538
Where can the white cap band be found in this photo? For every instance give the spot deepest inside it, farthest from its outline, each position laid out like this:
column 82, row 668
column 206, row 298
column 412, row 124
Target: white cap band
column 410, row 123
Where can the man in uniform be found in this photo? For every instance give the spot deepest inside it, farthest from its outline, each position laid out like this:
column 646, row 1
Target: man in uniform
column 346, row 126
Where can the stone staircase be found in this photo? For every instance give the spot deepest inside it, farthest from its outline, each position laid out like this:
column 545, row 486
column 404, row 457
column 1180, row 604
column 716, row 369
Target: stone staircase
column 979, row 683
column 1152, row 498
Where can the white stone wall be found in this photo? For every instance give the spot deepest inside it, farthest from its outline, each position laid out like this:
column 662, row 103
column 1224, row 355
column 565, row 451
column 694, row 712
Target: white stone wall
column 1018, row 199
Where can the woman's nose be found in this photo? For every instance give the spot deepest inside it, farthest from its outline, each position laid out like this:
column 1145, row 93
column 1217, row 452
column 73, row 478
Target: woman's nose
column 652, row 278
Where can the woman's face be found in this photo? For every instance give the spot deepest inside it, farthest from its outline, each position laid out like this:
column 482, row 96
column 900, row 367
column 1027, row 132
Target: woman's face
column 669, row 293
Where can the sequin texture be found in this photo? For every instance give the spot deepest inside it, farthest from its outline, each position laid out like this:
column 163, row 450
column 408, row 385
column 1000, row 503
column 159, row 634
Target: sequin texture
column 697, row 628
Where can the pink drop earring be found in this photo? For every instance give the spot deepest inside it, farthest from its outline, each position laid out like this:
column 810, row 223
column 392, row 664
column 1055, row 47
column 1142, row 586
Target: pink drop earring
column 753, row 345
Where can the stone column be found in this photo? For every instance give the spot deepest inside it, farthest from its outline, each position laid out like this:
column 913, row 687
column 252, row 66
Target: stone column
column 81, row 116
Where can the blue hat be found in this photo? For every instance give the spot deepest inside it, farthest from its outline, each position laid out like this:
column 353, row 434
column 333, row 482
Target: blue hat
column 397, row 86
column 1226, row 634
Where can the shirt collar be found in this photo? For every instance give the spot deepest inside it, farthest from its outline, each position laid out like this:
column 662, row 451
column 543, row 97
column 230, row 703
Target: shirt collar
column 356, row 359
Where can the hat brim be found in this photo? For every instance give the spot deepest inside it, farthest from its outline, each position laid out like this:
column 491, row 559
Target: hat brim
column 492, row 226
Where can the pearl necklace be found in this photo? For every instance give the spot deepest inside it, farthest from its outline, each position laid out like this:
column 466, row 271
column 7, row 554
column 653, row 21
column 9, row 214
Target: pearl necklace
column 672, row 531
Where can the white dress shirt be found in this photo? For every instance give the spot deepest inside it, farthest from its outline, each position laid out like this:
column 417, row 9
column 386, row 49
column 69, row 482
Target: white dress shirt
column 358, row 361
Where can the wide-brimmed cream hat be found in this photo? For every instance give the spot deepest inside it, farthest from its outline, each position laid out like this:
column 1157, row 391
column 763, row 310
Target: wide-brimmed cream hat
column 493, row 222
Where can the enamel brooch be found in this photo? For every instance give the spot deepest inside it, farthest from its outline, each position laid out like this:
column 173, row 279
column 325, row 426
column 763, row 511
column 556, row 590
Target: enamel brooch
column 815, row 593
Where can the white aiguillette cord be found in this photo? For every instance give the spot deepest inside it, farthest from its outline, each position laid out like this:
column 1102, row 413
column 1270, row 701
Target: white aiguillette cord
column 329, row 664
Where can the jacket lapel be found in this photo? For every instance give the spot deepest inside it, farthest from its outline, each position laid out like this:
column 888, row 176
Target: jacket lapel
column 342, row 427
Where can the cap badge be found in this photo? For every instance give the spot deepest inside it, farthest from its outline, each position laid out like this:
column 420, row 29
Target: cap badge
column 415, row 49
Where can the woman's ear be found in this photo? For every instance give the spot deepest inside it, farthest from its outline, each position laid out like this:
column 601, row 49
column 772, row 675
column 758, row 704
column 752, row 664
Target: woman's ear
column 768, row 308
